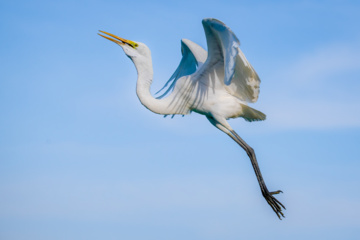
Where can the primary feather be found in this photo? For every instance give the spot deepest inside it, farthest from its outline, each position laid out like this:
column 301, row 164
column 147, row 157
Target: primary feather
column 240, row 78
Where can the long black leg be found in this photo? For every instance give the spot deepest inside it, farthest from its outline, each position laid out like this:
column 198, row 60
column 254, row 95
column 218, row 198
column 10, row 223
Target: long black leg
column 271, row 200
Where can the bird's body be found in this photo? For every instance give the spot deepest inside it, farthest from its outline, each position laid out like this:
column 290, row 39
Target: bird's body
column 209, row 97
column 218, row 84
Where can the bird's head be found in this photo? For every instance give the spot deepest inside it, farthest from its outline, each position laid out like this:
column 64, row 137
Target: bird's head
column 132, row 49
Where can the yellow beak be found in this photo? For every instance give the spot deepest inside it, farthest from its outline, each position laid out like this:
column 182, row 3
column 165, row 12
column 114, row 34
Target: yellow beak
column 118, row 40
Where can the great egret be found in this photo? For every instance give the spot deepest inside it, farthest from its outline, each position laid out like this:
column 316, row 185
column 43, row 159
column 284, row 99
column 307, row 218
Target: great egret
column 217, row 84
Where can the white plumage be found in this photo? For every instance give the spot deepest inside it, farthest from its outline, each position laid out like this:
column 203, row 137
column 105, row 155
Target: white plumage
column 218, row 84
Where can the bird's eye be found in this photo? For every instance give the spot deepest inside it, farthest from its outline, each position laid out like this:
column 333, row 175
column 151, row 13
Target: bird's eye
column 132, row 44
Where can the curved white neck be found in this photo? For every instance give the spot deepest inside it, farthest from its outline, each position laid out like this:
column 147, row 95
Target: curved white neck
column 145, row 77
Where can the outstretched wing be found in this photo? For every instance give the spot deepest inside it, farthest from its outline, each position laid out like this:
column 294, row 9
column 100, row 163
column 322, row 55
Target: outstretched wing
column 193, row 56
column 240, row 78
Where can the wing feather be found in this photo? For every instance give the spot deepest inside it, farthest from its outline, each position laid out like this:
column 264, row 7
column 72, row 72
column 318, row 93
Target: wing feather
column 193, row 56
column 240, row 78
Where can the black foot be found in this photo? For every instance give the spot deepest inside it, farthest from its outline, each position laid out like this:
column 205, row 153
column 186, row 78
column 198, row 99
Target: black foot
column 274, row 203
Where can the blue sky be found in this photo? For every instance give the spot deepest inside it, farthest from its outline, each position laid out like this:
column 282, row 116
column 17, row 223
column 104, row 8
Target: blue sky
column 81, row 158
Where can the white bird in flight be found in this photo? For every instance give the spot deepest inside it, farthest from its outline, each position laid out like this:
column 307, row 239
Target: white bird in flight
column 218, row 84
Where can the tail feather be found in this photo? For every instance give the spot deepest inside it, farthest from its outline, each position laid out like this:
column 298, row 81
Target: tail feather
column 251, row 114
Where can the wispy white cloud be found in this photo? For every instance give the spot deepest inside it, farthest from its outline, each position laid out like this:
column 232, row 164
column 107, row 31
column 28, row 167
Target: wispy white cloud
column 318, row 89
column 319, row 65
column 321, row 115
